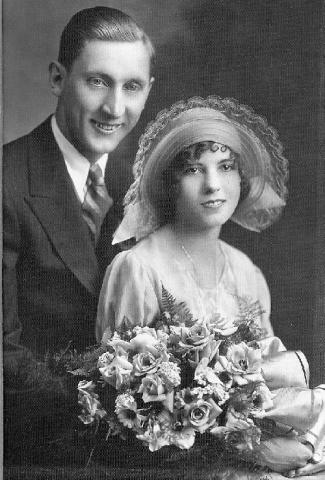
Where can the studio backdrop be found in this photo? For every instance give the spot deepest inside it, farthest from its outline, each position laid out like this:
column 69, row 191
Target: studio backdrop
column 267, row 54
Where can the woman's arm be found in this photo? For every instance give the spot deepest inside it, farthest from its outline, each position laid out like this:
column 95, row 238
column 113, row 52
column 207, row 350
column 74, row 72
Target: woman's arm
column 264, row 297
column 129, row 295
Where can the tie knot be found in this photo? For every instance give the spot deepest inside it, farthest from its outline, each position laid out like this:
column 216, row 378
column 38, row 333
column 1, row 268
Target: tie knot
column 95, row 175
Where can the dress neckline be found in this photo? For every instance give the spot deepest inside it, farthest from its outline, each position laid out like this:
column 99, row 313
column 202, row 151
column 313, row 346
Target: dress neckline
column 192, row 273
column 221, row 275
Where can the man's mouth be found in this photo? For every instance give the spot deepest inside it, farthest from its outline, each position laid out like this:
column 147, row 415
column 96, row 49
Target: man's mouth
column 213, row 203
column 107, row 127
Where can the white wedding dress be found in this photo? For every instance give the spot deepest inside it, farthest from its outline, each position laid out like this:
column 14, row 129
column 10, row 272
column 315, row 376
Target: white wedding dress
column 133, row 284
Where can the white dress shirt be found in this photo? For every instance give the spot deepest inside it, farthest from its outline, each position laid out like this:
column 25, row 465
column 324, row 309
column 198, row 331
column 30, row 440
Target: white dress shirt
column 77, row 165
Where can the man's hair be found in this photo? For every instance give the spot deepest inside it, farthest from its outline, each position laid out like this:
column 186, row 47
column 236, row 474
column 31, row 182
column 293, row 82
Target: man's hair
column 100, row 23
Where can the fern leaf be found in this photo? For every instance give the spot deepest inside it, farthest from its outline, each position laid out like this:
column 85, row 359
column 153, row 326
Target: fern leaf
column 168, row 301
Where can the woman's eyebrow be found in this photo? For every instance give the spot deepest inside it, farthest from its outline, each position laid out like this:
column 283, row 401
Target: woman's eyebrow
column 191, row 163
column 222, row 160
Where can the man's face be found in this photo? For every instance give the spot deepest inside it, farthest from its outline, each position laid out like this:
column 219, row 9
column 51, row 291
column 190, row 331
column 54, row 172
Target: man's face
column 101, row 98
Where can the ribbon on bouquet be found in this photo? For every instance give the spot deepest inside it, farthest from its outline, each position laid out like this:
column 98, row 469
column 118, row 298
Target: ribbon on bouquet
column 286, row 373
column 304, row 410
column 286, row 369
column 282, row 368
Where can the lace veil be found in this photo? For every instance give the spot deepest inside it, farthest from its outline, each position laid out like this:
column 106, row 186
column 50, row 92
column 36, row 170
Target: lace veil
column 211, row 119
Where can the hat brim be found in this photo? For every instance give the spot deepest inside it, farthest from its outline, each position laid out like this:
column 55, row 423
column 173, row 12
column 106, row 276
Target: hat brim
column 221, row 120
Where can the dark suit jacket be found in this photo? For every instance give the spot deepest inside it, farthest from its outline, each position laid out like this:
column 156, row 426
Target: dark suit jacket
column 51, row 271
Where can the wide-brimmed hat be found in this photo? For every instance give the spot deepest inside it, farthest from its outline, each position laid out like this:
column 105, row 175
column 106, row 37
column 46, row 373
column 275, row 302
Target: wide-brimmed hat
column 214, row 119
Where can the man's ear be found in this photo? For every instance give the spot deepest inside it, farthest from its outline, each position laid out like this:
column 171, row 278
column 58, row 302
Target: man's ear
column 57, row 76
column 151, row 82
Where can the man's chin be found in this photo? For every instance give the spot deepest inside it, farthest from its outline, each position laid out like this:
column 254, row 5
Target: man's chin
column 98, row 149
column 107, row 143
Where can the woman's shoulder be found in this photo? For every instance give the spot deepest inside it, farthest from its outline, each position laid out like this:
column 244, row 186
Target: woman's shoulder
column 242, row 267
column 143, row 255
column 153, row 248
column 125, row 256
column 129, row 268
column 248, row 279
column 236, row 256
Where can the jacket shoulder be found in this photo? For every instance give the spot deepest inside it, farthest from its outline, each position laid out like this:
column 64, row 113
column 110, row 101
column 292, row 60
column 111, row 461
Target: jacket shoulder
column 16, row 152
column 17, row 155
column 15, row 160
column 16, row 146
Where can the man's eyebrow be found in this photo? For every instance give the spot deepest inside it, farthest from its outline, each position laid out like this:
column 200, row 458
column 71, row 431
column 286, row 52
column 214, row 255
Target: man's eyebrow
column 98, row 73
column 137, row 79
column 109, row 78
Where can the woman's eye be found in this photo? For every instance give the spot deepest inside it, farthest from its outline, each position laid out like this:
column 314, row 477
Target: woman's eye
column 191, row 170
column 228, row 166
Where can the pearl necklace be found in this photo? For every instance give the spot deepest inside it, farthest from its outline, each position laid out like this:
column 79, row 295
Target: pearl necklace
column 190, row 259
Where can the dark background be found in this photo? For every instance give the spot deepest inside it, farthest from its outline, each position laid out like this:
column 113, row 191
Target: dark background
column 268, row 54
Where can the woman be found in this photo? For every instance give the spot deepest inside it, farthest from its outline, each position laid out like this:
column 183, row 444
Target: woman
column 199, row 164
column 177, row 210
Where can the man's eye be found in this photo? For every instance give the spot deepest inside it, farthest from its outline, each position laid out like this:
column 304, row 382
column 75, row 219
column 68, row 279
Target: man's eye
column 97, row 82
column 133, row 86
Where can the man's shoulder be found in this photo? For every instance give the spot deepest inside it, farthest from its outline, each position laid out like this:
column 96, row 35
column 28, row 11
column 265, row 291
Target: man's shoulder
column 15, row 146
column 20, row 146
column 18, row 155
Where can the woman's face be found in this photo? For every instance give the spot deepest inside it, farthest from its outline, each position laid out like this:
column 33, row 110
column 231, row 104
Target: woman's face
column 208, row 190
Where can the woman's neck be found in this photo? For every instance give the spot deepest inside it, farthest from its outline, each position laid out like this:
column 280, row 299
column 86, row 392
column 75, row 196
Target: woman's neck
column 200, row 252
column 194, row 237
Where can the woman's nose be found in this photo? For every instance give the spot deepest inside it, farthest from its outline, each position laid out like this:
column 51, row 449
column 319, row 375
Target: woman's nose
column 212, row 181
column 114, row 103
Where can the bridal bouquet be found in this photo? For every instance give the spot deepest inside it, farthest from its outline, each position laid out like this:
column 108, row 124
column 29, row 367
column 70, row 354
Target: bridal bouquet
column 177, row 379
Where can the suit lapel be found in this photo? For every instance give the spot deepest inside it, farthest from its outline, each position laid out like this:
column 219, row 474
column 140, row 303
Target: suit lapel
column 54, row 202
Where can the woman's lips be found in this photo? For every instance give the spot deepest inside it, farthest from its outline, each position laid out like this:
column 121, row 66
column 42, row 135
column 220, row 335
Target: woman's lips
column 213, row 203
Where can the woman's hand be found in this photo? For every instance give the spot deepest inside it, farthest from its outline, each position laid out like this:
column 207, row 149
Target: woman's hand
column 282, row 454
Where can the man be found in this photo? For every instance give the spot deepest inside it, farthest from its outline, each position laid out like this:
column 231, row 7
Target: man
column 62, row 201
column 59, row 213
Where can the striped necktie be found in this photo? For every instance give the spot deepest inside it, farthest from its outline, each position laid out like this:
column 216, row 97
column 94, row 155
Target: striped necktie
column 96, row 202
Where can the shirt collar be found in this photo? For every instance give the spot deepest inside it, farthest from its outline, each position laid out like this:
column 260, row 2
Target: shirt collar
column 77, row 164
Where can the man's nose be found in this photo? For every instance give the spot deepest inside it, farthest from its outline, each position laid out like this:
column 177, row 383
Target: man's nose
column 114, row 103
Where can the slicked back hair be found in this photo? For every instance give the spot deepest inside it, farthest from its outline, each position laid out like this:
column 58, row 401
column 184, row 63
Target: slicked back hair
column 100, row 23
